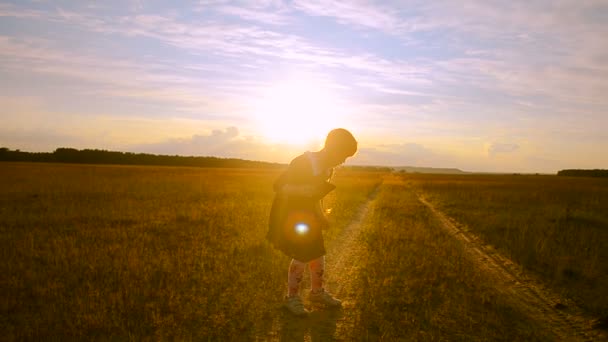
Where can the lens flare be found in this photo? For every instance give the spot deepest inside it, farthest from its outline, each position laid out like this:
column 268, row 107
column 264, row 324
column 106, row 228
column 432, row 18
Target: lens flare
column 301, row 228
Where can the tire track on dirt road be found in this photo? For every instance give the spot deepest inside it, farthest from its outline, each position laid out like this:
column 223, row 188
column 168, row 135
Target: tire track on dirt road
column 561, row 317
column 342, row 265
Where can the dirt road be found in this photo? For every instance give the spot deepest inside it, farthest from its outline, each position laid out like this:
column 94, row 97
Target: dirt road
column 558, row 315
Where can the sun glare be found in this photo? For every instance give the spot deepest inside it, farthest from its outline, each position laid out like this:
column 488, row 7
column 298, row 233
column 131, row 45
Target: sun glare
column 297, row 112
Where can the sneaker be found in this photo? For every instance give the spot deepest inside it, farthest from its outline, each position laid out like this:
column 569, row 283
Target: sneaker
column 324, row 298
column 295, row 306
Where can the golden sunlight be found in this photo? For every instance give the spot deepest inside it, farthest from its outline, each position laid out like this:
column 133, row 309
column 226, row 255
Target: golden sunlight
column 297, row 112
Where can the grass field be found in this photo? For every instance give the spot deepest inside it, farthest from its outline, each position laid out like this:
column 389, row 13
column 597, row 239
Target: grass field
column 556, row 227
column 177, row 253
column 120, row 252
column 417, row 284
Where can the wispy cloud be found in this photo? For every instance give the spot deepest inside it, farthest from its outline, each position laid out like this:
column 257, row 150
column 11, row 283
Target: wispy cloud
column 406, row 154
column 359, row 13
column 226, row 142
column 8, row 10
column 498, row 148
column 258, row 15
column 150, row 81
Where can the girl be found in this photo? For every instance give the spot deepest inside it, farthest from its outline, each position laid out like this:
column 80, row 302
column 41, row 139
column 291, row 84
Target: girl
column 296, row 218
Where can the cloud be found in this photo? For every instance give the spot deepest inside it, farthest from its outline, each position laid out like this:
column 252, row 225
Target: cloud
column 358, row 13
column 501, row 148
column 244, row 41
column 97, row 76
column 230, row 143
column 550, row 50
column 222, row 143
column 231, row 40
column 259, row 15
column 38, row 140
column 8, row 10
column 407, row 154
column 234, row 43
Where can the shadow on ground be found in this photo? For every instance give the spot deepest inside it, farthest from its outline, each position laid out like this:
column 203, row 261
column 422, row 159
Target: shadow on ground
column 319, row 325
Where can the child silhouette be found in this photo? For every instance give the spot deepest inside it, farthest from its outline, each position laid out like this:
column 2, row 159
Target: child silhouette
column 296, row 219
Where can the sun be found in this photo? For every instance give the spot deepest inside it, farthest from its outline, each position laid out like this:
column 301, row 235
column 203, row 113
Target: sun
column 297, row 112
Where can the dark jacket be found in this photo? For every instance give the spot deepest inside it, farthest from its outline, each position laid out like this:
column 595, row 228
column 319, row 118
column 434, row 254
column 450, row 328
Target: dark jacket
column 289, row 211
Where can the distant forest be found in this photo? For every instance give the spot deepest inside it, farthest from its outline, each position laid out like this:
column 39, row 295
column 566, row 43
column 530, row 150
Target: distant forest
column 583, row 173
column 88, row 156
column 71, row 155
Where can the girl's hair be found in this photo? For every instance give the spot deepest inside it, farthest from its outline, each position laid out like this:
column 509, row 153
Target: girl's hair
column 341, row 140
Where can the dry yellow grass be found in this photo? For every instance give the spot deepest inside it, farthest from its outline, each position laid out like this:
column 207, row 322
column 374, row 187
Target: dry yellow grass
column 416, row 283
column 556, row 227
column 163, row 253
column 124, row 252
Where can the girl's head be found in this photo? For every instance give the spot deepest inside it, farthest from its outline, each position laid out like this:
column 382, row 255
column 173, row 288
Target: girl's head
column 339, row 145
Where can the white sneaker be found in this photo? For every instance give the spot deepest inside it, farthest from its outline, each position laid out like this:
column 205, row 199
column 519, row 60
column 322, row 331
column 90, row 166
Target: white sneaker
column 324, row 298
column 295, row 306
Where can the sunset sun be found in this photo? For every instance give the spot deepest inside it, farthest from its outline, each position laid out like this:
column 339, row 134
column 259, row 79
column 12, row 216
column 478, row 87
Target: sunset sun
column 296, row 112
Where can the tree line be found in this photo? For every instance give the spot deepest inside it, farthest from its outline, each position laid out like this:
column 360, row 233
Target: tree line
column 94, row 156
column 583, row 173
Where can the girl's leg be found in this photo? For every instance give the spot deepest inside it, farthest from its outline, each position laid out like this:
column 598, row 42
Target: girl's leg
column 294, row 277
column 318, row 295
column 317, row 268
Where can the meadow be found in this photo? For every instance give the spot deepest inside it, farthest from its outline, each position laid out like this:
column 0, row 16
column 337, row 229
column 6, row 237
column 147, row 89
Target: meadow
column 555, row 227
column 131, row 253
column 417, row 283
column 102, row 252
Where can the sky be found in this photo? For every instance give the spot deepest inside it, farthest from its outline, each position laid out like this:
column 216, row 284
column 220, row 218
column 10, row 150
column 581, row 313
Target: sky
column 490, row 86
